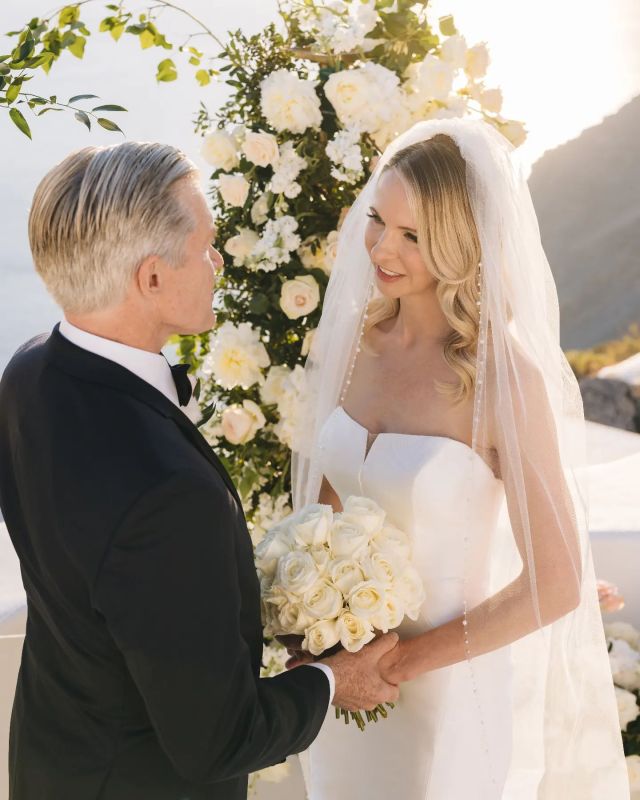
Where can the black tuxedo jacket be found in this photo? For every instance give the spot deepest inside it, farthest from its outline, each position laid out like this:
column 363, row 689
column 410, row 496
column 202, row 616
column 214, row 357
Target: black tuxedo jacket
column 139, row 677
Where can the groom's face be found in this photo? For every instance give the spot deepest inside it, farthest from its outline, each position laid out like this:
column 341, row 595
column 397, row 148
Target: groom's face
column 187, row 291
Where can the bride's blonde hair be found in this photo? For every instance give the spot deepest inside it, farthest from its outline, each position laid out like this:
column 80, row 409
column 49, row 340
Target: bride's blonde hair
column 434, row 174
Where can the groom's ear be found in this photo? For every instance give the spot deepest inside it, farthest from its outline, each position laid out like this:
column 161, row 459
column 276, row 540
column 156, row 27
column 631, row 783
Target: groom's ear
column 149, row 276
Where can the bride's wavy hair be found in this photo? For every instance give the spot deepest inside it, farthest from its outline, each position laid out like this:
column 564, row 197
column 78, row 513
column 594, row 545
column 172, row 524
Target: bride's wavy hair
column 434, row 174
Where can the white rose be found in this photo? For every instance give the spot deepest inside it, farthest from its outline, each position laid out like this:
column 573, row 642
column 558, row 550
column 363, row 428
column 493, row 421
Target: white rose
column 349, row 92
column 491, row 100
column 625, row 664
column 392, row 541
column 390, row 615
column 313, row 525
column 322, row 557
column 624, row 631
column 240, row 423
column 234, row 189
column 241, row 245
column 307, row 342
column 297, row 572
column 237, row 356
column 514, row 131
column 454, row 50
column 300, row 296
column 365, row 513
column 345, row 574
column 628, row 709
column 347, row 539
column 290, row 103
column 633, row 768
column 383, row 568
column 275, row 544
column 354, row 632
column 435, row 77
column 330, row 251
column 477, row 61
column 261, row 148
column 410, row 589
column 273, row 389
column 311, row 253
column 321, row 636
column 366, row 599
column 292, row 618
column 260, row 209
column 219, row 150
column 323, row 600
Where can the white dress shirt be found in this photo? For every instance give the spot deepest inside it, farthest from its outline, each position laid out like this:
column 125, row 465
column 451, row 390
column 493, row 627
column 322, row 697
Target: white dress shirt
column 154, row 369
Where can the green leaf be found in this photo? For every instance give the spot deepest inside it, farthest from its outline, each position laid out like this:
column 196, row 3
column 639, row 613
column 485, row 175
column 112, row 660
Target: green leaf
column 447, row 26
column 207, row 413
column 13, row 91
column 4, row 69
column 147, row 39
column 83, row 117
column 194, row 61
column 20, row 121
column 44, row 111
column 136, row 29
column 259, row 303
column 166, row 71
column 77, row 48
column 117, row 31
column 77, row 97
column 108, row 107
column 108, row 125
column 68, row 15
column 203, row 77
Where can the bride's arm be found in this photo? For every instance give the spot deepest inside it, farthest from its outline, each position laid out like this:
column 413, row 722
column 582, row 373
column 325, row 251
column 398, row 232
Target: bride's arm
column 328, row 495
column 546, row 533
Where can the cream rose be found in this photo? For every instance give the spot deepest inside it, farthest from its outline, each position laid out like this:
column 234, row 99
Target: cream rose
column 628, row 709
column 392, row 541
column 260, row 209
column 241, row 245
column 261, row 148
column 219, row 149
column 454, row 50
column 330, row 251
column 435, row 77
column 321, row 636
column 366, row 513
column 275, row 544
column 366, row 599
column 313, row 526
column 345, row 574
column 296, row 572
column 624, row 631
column 323, row 600
column 354, row 632
column 273, row 389
column 409, row 588
column 491, row 100
column 300, row 296
column 240, row 423
column 237, row 356
column 322, row 557
column 383, row 568
column 234, row 189
column 347, row 539
column 290, row 103
column 625, row 664
column 390, row 615
column 292, row 618
column 633, row 768
column 477, row 61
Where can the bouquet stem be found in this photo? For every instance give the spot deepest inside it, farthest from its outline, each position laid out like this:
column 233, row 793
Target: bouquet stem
column 372, row 716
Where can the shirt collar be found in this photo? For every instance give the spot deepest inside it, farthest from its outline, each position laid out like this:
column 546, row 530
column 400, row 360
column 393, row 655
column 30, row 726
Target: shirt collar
column 151, row 367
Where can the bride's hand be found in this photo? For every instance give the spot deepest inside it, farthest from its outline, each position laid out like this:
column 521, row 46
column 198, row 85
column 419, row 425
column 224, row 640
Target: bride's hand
column 390, row 665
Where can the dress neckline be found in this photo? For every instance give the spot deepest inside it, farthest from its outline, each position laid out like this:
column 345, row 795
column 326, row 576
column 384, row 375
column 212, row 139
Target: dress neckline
column 427, row 436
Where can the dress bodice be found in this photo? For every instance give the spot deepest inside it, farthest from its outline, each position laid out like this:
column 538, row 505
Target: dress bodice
column 436, row 489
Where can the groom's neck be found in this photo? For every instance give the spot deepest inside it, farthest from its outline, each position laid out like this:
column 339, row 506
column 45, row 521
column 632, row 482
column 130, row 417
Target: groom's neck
column 122, row 325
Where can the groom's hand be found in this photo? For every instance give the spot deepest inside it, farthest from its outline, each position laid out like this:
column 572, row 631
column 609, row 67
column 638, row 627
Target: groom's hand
column 359, row 685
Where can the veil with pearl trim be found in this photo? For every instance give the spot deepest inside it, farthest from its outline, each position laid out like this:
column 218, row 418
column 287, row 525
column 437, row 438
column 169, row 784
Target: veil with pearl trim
column 541, row 606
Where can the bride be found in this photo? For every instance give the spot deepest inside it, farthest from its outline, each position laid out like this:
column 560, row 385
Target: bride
column 437, row 388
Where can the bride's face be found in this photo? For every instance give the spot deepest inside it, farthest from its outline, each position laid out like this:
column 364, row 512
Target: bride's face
column 392, row 243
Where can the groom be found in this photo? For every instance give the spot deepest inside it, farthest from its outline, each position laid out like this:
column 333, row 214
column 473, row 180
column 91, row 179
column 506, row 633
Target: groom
column 140, row 669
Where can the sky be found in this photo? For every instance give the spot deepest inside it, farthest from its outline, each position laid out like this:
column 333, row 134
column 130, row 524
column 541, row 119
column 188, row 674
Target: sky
column 562, row 66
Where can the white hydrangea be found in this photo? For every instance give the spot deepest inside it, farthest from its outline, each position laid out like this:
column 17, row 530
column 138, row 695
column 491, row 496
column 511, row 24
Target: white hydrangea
column 237, row 356
column 286, row 169
column 627, row 707
column 279, row 239
column 342, row 27
column 290, row 103
column 433, row 77
column 291, row 405
column 477, row 61
column 346, row 155
column 625, row 664
column 267, row 514
column 454, row 50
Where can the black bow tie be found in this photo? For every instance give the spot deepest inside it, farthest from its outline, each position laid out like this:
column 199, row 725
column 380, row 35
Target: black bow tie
column 182, row 382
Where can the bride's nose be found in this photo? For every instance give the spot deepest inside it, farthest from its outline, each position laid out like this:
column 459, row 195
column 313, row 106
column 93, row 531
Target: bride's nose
column 384, row 248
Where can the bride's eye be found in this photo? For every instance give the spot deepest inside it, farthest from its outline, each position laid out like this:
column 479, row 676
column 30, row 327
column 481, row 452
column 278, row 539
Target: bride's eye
column 412, row 237
column 372, row 215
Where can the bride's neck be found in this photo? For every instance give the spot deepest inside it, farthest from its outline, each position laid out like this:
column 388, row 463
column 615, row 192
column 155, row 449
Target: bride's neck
column 420, row 320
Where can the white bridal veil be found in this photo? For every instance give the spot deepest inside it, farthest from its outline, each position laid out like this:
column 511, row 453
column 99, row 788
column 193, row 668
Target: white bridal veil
column 540, row 602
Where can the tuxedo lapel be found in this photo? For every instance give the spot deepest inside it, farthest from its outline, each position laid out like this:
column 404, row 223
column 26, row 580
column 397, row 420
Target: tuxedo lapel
column 89, row 366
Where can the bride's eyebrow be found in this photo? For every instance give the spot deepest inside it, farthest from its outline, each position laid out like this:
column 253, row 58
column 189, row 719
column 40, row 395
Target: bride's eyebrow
column 402, row 227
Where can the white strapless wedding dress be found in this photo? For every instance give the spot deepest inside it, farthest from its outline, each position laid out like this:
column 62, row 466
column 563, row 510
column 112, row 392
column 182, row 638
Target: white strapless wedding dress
column 434, row 745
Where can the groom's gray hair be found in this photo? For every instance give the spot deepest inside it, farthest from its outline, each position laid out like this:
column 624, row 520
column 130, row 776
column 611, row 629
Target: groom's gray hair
column 100, row 212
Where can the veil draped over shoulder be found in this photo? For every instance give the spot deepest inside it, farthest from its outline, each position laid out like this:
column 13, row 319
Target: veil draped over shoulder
column 542, row 602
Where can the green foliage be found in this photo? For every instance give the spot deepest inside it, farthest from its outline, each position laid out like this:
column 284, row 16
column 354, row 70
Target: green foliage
column 588, row 361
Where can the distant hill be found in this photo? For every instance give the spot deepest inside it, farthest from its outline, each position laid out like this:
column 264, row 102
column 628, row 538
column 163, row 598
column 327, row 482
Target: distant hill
column 587, row 197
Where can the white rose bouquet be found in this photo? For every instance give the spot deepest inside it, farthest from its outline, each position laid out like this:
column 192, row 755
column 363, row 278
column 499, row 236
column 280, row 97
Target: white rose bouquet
column 337, row 578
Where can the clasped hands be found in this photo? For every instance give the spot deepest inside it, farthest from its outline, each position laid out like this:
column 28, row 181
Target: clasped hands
column 364, row 679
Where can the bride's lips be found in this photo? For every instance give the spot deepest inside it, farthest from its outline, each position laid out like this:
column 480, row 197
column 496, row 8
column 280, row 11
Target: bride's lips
column 387, row 278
